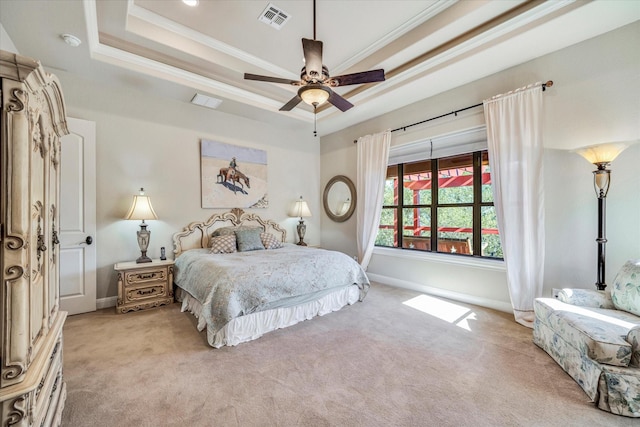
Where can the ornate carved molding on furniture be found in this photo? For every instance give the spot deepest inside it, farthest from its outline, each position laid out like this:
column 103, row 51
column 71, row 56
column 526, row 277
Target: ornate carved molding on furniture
column 32, row 390
column 143, row 286
column 198, row 234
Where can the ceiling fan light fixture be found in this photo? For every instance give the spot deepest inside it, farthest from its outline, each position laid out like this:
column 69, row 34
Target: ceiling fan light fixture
column 192, row 3
column 314, row 95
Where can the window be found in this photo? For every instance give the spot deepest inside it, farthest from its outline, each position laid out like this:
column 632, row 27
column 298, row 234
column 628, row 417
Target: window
column 451, row 213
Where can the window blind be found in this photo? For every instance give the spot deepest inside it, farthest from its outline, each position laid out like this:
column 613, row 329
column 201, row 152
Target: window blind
column 452, row 144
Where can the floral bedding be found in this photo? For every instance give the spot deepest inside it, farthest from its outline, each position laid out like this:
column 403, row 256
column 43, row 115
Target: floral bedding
column 235, row 284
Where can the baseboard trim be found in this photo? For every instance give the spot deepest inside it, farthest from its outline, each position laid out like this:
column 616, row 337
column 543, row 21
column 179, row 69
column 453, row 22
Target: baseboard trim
column 456, row 296
column 106, row 302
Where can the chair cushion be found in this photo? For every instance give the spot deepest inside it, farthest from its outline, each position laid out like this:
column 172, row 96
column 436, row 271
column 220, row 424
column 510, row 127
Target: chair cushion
column 586, row 297
column 625, row 291
column 633, row 338
column 598, row 333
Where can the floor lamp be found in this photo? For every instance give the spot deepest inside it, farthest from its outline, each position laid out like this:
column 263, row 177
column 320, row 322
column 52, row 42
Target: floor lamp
column 601, row 156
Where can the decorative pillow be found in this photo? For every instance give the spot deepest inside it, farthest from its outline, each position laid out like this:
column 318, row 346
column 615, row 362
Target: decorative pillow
column 225, row 231
column 625, row 291
column 249, row 240
column 223, row 244
column 269, row 241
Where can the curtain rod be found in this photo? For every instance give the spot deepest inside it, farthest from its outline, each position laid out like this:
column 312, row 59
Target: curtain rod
column 549, row 83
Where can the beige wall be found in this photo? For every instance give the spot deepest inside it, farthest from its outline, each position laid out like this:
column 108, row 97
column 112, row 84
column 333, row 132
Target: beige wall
column 596, row 98
column 155, row 143
column 5, row 41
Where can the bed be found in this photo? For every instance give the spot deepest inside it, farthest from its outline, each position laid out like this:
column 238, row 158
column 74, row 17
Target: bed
column 238, row 296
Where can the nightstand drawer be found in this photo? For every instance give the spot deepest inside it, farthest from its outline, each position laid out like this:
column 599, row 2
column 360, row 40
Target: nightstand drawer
column 134, row 294
column 146, row 276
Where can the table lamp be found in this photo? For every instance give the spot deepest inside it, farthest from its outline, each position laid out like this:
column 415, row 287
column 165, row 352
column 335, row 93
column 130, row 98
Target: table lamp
column 300, row 209
column 141, row 209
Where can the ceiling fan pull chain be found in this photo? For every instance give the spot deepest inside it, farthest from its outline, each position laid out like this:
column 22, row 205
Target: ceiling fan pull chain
column 315, row 132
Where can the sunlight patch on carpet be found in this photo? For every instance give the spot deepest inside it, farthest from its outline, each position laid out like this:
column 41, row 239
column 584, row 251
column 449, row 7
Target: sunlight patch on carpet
column 443, row 310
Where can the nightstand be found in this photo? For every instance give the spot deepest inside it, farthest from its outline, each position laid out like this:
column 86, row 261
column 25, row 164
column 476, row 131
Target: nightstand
column 145, row 285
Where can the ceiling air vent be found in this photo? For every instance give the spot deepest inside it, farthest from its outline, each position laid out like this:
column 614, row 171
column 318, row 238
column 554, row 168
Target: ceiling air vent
column 206, row 101
column 274, row 16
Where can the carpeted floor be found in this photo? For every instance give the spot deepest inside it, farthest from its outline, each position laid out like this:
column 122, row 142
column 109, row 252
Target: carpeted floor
column 376, row 363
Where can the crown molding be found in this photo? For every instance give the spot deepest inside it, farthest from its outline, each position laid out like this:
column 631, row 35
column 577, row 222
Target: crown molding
column 157, row 69
column 398, row 32
column 208, row 41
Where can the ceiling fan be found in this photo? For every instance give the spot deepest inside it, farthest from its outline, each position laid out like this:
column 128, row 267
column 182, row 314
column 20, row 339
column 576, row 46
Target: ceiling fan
column 315, row 82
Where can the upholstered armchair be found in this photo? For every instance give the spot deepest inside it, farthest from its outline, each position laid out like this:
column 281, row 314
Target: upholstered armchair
column 594, row 336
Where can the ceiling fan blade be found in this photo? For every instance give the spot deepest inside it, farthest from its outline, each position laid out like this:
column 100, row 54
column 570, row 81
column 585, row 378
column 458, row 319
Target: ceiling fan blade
column 358, row 78
column 313, row 58
column 292, row 103
column 257, row 77
column 339, row 102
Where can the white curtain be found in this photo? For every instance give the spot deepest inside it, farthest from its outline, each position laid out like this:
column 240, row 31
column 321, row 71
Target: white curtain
column 514, row 137
column 373, row 154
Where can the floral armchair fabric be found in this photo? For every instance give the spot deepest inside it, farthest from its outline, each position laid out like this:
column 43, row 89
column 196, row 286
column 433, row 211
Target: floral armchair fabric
column 594, row 336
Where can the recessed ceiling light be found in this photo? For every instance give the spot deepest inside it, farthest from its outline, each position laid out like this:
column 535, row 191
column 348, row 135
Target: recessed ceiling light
column 71, row 40
column 191, row 3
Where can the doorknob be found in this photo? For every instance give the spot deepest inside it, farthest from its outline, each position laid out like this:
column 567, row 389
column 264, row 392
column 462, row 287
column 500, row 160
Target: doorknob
column 88, row 240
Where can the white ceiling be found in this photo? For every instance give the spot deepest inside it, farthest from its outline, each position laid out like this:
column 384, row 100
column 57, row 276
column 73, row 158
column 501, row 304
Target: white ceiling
column 425, row 46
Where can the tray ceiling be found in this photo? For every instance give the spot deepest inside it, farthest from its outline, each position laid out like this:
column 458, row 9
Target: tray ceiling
column 426, row 47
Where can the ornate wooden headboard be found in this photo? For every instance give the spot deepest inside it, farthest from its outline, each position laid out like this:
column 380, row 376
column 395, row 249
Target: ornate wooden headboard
column 198, row 234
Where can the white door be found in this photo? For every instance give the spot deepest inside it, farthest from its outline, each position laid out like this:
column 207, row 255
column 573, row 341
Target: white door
column 78, row 218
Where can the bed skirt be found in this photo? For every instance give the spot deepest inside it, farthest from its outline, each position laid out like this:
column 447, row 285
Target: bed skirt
column 254, row 325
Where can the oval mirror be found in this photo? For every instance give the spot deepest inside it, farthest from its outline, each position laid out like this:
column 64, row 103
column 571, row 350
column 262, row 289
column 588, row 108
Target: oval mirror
column 339, row 198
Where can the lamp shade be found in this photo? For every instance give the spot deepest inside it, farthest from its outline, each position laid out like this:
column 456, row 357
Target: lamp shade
column 141, row 208
column 314, row 94
column 300, row 209
column 602, row 153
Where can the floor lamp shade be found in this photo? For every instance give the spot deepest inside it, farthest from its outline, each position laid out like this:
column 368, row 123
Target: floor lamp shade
column 141, row 209
column 601, row 155
column 300, row 209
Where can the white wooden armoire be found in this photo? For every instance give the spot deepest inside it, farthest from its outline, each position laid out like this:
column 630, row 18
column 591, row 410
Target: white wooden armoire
column 32, row 390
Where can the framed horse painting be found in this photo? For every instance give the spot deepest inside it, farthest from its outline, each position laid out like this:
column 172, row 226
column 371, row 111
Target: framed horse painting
column 232, row 176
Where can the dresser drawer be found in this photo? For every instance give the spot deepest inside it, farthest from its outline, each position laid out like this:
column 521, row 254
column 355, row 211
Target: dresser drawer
column 47, row 393
column 145, row 276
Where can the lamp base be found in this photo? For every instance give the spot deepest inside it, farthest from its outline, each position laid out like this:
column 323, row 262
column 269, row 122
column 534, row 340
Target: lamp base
column 302, row 229
column 143, row 242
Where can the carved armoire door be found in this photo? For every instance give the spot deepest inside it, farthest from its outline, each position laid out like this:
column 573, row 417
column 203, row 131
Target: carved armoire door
column 32, row 391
